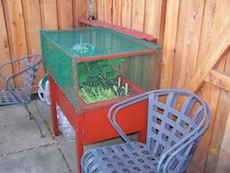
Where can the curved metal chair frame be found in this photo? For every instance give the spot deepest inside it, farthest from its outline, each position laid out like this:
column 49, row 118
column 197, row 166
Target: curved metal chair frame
column 176, row 121
column 11, row 95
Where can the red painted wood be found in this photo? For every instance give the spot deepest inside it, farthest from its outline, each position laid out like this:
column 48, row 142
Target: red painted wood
column 76, row 120
column 93, row 126
column 131, row 119
column 121, row 29
column 117, row 55
column 79, row 140
column 53, row 106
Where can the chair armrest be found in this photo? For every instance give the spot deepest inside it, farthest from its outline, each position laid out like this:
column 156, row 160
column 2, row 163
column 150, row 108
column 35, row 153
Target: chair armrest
column 22, row 71
column 167, row 157
column 125, row 103
column 15, row 60
column 121, row 105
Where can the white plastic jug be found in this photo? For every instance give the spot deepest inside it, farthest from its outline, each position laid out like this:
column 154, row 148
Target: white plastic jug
column 44, row 90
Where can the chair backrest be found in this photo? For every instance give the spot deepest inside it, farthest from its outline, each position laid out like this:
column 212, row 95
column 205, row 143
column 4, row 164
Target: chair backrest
column 174, row 118
column 30, row 66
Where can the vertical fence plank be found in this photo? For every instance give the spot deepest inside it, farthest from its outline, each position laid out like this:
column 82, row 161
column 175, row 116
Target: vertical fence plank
column 126, row 13
column 224, row 156
column 169, row 45
column 138, row 15
column 138, row 8
column 16, row 33
column 221, row 18
column 162, row 22
column 190, row 19
column 206, row 31
column 31, row 11
column 49, row 14
column 108, row 11
column 218, row 127
column 200, row 157
column 79, row 10
column 152, row 17
column 4, row 46
column 100, row 10
column 65, row 14
column 117, row 13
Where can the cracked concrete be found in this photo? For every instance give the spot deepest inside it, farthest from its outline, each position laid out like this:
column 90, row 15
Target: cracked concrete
column 22, row 150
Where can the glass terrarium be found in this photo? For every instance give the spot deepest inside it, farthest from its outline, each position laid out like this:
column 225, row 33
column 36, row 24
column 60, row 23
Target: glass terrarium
column 96, row 66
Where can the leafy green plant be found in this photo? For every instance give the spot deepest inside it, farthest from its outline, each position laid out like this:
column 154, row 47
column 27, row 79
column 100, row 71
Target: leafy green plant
column 97, row 80
column 104, row 69
column 92, row 94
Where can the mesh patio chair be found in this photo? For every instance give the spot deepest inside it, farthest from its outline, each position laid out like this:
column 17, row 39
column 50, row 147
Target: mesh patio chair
column 176, row 121
column 11, row 95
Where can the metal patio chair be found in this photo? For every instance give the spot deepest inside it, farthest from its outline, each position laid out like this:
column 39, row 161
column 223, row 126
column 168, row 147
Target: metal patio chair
column 11, row 95
column 176, row 121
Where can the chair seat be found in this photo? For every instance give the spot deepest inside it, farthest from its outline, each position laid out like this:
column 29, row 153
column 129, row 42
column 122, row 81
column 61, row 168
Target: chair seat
column 6, row 98
column 122, row 158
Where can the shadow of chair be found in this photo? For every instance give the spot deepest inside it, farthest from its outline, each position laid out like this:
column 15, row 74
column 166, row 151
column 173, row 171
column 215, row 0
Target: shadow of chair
column 13, row 95
column 176, row 121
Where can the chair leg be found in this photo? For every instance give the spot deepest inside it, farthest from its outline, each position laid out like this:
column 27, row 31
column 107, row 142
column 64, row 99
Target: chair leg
column 26, row 107
column 32, row 117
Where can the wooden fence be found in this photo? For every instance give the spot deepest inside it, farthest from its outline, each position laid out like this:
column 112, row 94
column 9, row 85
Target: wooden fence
column 21, row 21
column 194, row 35
column 196, row 57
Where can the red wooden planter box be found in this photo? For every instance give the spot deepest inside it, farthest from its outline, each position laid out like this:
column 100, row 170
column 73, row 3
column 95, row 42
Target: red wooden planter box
column 92, row 124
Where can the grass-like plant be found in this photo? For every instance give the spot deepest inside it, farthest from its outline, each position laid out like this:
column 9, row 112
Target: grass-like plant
column 97, row 80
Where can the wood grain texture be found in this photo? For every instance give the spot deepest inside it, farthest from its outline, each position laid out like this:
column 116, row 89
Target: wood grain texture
column 16, row 34
column 100, row 9
column 31, row 10
column 138, row 13
column 206, row 31
column 169, row 45
column 49, row 14
column 162, row 23
column 4, row 46
column 108, row 10
column 219, row 79
column 152, row 17
column 79, row 10
column 224, row 154
column 126, row 17
column 214, row 54
column 218, row 130
column 222, row 164
column 32, row 19
column 65, row 14
column 117, row 12
column 221, row 21
column 155, row 19
column 189, row 27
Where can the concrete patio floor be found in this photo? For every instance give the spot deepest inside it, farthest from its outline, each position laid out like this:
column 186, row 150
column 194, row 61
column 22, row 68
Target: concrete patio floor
column 22, row 150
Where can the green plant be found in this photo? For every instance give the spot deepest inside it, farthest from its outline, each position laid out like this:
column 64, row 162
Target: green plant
column 104, row 69
column 91, row 93
column 96, row 80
